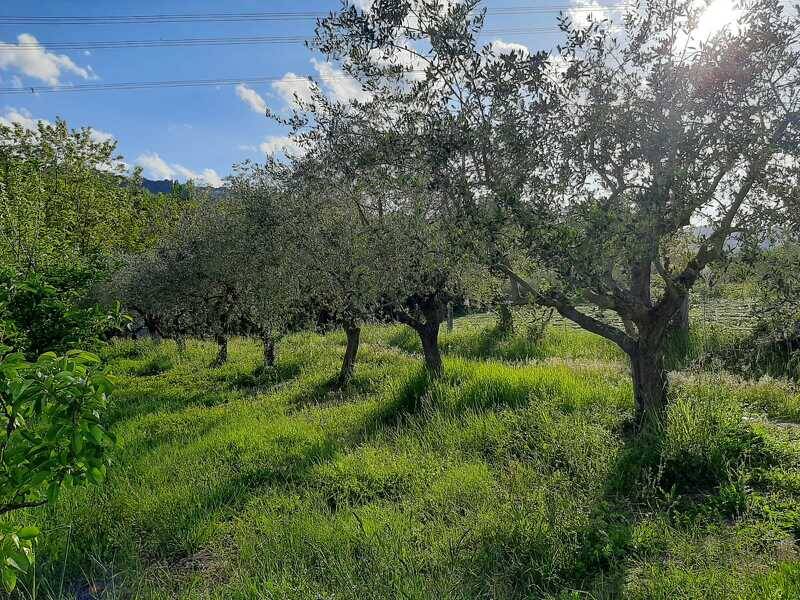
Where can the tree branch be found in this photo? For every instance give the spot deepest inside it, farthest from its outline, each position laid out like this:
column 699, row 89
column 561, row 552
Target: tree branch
column 568, row 311
column 6, row 508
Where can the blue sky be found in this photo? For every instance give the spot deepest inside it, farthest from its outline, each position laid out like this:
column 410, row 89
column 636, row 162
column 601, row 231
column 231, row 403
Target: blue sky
column 194, row 132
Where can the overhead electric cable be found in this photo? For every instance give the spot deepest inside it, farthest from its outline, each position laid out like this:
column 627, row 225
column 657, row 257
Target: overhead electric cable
column 175, row 83
column 63, row 46
column 256, row 16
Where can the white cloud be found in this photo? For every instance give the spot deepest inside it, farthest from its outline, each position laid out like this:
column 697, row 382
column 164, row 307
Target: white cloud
column 280, row 144
column 101, row 136
column 583, row 10
column 13, row 116
column 156, row 167
column 292, row 86
column 210, row 177
column 501, row 47
column 23, row 117
column 339, row 84
column 182, row 171
column 252, row 98
column 32, row 59
column 404, row 55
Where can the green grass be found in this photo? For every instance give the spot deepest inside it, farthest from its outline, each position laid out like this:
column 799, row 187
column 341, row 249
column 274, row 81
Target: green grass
column 510, row 478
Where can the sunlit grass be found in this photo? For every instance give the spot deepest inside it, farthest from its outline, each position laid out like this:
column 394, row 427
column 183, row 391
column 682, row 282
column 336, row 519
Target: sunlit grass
column 512, row 477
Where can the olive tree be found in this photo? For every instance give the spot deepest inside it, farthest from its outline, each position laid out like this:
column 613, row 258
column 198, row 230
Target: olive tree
column 185, row 286
column 339, row 250
column 660, row 134
column 147, row 285
column 269, row 281
column 417, row 151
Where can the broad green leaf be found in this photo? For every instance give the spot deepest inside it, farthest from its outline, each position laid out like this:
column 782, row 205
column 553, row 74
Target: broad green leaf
column 28, row 533
column 9, row 579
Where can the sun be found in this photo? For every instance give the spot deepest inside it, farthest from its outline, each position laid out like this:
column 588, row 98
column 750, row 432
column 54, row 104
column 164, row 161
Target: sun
column 718, row 15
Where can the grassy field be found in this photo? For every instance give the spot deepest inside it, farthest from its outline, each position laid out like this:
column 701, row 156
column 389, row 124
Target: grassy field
column 511, row 478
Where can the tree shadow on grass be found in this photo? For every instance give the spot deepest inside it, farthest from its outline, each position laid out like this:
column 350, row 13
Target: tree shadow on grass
column 492, row 342
column 405, row 401
column 478, row 344
column 688, row 483
column 129, row 404
column 264, row 377
column 282, row 460
column 171, row 536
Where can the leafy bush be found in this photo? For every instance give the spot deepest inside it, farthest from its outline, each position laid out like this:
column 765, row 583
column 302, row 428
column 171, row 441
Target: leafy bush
column 51, row 435
column 42, row 312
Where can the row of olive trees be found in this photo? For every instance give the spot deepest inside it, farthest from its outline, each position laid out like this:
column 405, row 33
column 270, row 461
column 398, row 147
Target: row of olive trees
column 295, row 245
column 575, row 175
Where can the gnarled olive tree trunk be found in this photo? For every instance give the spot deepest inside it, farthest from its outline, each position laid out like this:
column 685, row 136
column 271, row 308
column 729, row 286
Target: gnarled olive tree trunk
column 650, row 383
column 152, row 324
column 680, row 322
column 643, row 338
column 426, row 319
column 505, row 318
column 222, row 352
column 353, row 333
column 429, row 336
column 268, row 342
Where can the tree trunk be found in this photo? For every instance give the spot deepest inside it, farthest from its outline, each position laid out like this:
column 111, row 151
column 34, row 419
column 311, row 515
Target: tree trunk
column 269, row 350
column 514, row 287
column 222, row 354
column 350, row 354
column 429, row 336
column 680, row 322
column 650, row 385
column 505, row 321
column 151, row 323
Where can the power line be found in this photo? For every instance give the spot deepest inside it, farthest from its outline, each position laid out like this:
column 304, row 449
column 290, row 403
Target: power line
column 175, row 83
column 252, row 16
column 160, row 43
column 221, row 41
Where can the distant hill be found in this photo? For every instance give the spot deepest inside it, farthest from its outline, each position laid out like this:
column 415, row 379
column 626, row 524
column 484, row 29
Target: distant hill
column 161, row 186
column 164, row 186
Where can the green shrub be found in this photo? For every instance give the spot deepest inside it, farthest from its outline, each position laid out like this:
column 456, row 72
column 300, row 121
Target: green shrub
column 42, row 313
column 52, row 436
